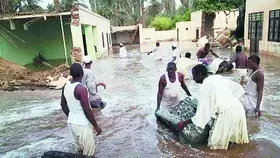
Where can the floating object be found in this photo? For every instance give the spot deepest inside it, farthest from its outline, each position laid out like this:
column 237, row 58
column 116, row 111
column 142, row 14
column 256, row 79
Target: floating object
column 185, row 110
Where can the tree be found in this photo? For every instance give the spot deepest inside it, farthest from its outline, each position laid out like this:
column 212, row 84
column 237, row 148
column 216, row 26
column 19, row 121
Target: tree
column 50, row 7
column 4, row 6
column 12, row 6
column 185, row 3
column 170, row 7
column 209, row 6
column 162, row 23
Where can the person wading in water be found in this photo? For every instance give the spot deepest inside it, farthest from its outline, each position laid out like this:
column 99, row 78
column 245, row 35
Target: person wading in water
column 169, row 87
column 89, row 81
column 254, row 88
column 75, row 105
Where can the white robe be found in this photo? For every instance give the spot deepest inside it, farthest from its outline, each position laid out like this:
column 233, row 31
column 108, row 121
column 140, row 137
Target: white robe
column 214, row 66
column 184, row 65
column 123, row 52
column 219, row 100
column 175, row 53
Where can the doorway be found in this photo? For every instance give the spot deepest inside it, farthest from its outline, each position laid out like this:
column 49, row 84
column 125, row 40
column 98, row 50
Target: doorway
column 255, row 32
column 207, row 24
column 108, row 43
column 197, row 33
column 85, row 44
column 177, row 34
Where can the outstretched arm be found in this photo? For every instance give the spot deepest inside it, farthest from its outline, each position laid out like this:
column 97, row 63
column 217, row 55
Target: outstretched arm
column 101, row 84
column 183, row 84
column 214, row 53
column 152, row 51
column 232, row 60
column 63, row 104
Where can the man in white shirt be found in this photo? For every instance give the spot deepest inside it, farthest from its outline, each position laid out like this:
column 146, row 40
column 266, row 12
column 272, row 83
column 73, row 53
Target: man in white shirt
column 175, row 52
column 218, row 101
column 185, row 64
column 75, row 105
column 157, row 51
column 123, row 51
column 89, row 82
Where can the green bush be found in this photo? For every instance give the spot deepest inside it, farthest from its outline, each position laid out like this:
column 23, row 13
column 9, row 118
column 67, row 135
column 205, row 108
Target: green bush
column 162, row 23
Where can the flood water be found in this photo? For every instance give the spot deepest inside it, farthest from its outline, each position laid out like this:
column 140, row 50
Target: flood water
column 33, row 122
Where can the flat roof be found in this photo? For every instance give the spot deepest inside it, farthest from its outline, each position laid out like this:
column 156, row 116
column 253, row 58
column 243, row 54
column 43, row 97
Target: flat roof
column 11, row 17
column 124, row 28
column 46, row 14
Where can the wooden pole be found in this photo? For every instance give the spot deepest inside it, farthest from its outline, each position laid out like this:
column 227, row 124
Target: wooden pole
column 63, row 38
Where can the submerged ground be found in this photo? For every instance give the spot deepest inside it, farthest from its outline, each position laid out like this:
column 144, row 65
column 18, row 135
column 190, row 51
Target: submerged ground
column 32, row 122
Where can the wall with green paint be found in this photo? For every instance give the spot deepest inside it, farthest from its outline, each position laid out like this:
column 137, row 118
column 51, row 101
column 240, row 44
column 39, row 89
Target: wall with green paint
column 42, row 36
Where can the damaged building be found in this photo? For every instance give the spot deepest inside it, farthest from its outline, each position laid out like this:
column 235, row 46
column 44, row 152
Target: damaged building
column 62, row 36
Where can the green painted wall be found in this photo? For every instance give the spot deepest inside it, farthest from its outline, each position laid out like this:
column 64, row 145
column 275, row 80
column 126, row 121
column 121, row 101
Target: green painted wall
column 41, row 35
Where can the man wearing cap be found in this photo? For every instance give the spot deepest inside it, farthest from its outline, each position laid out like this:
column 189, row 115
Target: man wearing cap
column 175, row 52
column 123, row 51
column 157, row 51
column 89, row 81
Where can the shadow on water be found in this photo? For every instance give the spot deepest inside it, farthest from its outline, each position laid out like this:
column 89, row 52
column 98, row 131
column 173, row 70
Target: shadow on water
column 32, row 122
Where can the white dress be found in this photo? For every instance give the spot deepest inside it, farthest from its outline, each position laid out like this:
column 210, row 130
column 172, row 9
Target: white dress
column 184, row 66
column 175, row 53
column 219, row 100
column 158, row 53
column 123, row 52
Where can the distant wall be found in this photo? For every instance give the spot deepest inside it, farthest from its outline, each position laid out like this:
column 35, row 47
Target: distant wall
column 124, row 37
column 187, row 30
column 147, row 35
column 196, row 17
column 168, row 35
column 220, row 21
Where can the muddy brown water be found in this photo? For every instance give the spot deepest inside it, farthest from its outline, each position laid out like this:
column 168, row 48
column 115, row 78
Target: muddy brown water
column 32, row 122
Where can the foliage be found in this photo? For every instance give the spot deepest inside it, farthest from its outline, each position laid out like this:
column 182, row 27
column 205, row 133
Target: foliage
column 129, row 12
column 209, row 6
column 50, row 7
column 13, row 6
column 162, row 23
column 185, row 16
column 154, row 8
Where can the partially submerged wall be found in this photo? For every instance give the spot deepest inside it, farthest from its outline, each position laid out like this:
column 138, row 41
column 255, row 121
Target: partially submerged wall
column 149, row 35
column 168, row 35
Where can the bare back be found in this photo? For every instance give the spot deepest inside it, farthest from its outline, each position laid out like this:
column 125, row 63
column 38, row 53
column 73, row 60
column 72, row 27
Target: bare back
column 241, row 61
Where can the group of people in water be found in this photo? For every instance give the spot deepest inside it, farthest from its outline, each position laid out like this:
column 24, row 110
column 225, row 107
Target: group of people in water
column 219, row 104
